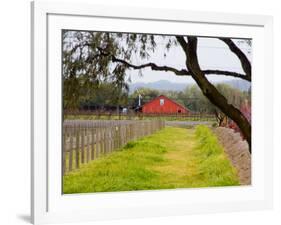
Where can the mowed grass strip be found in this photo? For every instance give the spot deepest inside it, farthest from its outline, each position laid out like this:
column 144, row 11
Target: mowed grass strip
column 171, row 158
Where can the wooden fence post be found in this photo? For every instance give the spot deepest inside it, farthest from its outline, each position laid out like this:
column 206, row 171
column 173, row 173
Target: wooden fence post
column 70, row 155
column 102, row 139
column 93, row 143
column 82, row 145
column 87, row 145
column 98, row 143
column 64, row 151
column 77, row 147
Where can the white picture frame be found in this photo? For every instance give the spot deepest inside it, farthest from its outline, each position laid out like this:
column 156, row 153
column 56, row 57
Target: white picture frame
column 48, row 205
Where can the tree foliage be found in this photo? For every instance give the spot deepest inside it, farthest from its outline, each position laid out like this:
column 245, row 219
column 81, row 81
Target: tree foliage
column 105, row 95
column 193, row 98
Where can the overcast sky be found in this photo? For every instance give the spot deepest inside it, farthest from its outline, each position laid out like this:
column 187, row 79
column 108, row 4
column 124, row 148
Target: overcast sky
column 212, row 54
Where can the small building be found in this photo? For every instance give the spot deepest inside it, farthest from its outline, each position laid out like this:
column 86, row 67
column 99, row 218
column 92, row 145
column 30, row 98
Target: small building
column 163, row 105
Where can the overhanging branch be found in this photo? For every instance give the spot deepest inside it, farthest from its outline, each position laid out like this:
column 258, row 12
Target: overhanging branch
column 182, row 72
column 245, row 63
column 153, row 66
column 225, row 73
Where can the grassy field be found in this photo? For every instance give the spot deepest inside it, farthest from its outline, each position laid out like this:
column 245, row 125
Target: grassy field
column 171, row 158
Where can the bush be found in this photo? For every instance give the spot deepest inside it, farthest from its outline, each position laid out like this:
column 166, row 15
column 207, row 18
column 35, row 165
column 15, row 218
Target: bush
column 214, row 124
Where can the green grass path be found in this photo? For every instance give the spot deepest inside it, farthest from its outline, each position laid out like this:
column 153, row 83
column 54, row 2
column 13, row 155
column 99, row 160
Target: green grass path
column 170, row 158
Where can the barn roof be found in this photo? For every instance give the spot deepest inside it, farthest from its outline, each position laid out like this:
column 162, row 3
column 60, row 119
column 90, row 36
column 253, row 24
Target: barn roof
column 166, row 98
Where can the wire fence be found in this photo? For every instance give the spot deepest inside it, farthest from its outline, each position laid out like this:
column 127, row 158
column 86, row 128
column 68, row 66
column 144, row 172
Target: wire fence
column 89, row 114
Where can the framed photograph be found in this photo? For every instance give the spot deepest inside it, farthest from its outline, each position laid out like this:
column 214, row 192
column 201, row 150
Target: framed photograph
column 140, row 112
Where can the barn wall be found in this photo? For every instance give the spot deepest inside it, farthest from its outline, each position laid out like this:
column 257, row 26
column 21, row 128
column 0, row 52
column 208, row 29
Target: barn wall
column 168, row 107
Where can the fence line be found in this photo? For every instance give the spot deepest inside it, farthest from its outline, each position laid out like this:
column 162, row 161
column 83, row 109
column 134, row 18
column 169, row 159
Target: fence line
column 86, row 140
column 137, row 115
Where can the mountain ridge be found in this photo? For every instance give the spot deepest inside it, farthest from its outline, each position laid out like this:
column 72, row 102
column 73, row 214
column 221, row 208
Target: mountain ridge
column 242, row 85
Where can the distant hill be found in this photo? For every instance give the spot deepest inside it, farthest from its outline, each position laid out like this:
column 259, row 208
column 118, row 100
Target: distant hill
column 242, row 85
column 171, row 86
column 159, row 85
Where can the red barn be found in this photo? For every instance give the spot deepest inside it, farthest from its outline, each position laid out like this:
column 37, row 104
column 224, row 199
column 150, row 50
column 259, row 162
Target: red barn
column 163, row 105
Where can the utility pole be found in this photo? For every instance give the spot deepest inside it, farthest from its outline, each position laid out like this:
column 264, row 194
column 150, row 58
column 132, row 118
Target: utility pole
column 140, row 97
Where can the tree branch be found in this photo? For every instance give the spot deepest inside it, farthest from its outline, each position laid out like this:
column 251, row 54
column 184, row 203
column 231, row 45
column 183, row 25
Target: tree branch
column 226, row 73
column 153, row 66
column 182, row 72
column 246, row 65
column 183, row 43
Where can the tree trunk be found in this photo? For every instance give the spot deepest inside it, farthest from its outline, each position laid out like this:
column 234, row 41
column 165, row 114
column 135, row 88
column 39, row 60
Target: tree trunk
column 210, row 90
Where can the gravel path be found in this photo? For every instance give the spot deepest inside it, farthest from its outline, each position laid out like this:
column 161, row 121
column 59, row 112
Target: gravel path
column 187, row 123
